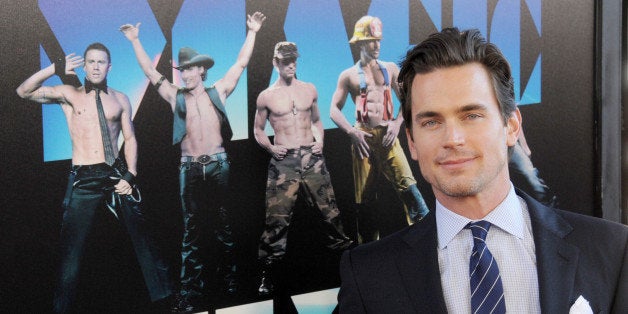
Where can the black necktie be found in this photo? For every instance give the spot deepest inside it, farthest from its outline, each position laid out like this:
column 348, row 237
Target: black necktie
column 104, row 130
column 487, row 293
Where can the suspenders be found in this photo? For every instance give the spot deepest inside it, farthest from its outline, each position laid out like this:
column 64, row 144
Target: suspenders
column 363, row 80
column 362, row 112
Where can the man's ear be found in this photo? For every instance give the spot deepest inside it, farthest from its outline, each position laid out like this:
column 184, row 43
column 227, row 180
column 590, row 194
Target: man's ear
column 413, row 152
column 513, row 127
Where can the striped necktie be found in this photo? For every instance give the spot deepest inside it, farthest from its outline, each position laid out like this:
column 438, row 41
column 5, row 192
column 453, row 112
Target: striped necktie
column 487, row 293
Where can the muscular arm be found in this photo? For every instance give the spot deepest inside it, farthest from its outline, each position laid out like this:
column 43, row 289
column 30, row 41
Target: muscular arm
column 31, row 89
column 394, row 71
column 130, row 144
column 227, row 84
column 317, row 125
column 166, row 90
column 337, row 103
column 338, row 100
column 261, row 115
column 393, row 126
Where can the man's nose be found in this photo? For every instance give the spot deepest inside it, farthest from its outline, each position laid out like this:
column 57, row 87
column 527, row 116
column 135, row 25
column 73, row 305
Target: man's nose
column 454, row 135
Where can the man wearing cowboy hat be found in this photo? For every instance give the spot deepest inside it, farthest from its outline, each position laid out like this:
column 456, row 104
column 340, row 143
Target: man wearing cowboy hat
column 375, row 148
column 201, row 126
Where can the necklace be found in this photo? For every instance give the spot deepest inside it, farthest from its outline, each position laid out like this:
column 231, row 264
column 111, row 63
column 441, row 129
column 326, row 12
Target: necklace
column 294, row 109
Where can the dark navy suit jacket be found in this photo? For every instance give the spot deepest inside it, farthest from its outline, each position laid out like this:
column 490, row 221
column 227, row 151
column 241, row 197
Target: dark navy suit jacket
column 576, row 255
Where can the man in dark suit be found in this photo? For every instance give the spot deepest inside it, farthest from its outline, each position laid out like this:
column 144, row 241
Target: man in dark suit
column 461, row 124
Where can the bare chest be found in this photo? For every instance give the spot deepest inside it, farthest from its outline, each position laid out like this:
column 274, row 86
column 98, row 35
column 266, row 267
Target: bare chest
column 82, row 111
column 371, row 77
column 289, row 102
column 200, row 109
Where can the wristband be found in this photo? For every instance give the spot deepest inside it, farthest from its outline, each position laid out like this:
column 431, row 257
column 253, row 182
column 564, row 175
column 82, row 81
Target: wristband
column 129, row 177
column 60, row 67
column 161, row 80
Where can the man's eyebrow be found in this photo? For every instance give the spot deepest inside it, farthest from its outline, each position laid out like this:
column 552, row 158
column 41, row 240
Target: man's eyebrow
column 465, row 108
column 426, row 114
column 472, row 107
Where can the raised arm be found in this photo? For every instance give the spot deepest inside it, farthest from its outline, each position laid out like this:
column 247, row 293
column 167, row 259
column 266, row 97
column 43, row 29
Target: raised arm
column 130, row 146
column 164, row 87
column 31, row 88
column 227, row 84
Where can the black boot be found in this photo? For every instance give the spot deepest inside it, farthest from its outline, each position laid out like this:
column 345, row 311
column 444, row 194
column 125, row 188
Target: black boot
column 266, row 283
column 415, row 205
column 229, row 277
column 368, row 224
column 227, row 269
column 185, row 304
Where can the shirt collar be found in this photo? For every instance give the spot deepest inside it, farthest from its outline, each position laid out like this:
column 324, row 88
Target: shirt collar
column 507, row 216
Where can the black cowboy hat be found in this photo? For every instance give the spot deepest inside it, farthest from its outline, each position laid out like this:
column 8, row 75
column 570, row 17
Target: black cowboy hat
column 189, row 57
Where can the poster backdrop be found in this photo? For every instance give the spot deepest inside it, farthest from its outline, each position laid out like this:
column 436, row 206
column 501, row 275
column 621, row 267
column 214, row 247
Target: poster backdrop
column 549, row 44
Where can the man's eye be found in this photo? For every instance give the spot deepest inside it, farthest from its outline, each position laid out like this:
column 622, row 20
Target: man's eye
column 429, row 123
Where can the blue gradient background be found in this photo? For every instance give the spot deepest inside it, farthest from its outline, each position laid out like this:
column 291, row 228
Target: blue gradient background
column 77, row 26
column 218, row 28
column 319, row 32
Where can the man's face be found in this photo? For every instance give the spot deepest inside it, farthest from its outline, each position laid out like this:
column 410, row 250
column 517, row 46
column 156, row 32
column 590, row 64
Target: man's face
column 192, row 76
column 371, row 48
column 96, row 65
column 286, row 66
column 458, row 134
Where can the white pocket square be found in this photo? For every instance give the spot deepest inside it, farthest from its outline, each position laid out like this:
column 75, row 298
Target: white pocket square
column 581, row 306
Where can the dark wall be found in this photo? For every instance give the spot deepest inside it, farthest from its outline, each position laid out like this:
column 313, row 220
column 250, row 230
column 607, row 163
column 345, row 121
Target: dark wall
column 560, row 132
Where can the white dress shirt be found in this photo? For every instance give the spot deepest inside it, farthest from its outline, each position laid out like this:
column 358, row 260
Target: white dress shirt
column 512, row 245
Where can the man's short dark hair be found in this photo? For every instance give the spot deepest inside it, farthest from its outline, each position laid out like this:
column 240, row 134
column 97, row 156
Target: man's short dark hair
column 449, row 48
column 97, row 46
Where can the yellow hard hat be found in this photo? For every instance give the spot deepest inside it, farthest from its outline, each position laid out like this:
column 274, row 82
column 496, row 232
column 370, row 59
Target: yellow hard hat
column 367, row 28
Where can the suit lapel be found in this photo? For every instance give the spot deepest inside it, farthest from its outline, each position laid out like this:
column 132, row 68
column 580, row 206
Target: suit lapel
column 556, row 259
column 417, row 263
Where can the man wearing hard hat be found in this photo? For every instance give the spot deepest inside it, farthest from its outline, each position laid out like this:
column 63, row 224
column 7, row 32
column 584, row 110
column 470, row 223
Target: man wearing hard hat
column 375, row 148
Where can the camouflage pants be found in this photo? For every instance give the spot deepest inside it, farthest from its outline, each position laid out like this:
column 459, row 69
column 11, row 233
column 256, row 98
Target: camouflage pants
column 304, row 173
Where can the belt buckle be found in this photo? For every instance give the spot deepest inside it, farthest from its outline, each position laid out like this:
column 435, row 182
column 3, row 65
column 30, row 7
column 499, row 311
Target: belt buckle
column 204, row 159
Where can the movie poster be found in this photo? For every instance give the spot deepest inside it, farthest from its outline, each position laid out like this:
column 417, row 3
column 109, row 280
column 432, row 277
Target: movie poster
column 549, row 44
